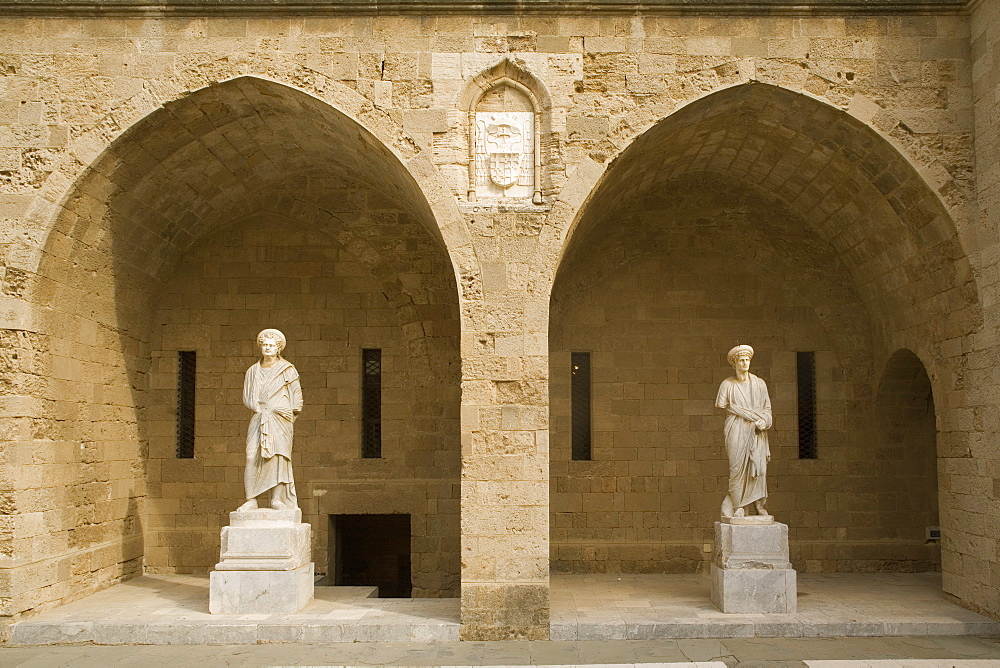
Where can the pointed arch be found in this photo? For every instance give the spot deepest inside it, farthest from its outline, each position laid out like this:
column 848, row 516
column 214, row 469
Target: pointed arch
column 87, row 149
column 175, row 166
column 858, row 191
column 906, row 458
column 509, row 71
column 863, row 254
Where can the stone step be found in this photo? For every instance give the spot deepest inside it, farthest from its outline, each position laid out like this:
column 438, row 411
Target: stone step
column 230, row 632
column 766, row 628
column 173, row 609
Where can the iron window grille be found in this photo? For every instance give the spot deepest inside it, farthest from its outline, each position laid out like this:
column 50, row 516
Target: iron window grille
column 580, row 405
column 371, row 403
column 805, row 368
column 186, row 376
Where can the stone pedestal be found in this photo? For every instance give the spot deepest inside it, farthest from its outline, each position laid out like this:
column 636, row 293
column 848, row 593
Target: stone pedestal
column 266, row 565
column 750, row 568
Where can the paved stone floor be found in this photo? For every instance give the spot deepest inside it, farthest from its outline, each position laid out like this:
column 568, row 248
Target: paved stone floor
column 173, row 610
column 924, row 652
column 637, row 607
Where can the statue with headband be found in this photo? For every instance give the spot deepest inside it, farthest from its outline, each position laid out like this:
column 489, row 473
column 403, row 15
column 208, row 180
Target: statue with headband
column 748, row 407
column 271, row 390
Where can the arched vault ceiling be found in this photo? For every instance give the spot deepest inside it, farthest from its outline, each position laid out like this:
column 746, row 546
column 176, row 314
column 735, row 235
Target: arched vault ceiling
column 223, row 151
column 848, row 184
column 738, row 233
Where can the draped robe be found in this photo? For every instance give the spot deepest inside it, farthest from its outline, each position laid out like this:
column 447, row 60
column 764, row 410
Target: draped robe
column 272, row 394
column 746, row 445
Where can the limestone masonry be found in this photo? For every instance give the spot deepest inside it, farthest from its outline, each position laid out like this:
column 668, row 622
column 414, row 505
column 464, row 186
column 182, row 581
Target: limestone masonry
column 479, row 196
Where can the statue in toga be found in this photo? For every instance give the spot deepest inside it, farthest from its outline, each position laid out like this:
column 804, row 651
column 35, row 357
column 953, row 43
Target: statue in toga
column 271, row 390
column 744, row 397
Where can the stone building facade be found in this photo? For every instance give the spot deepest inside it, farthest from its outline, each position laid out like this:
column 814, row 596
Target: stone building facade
column 479, row 196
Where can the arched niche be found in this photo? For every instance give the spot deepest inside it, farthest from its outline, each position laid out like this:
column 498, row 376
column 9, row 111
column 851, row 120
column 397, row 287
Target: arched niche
column 508, row 113
column 657, row 296
column 858, row 193
column 188, row 177
column 906, row 504
column 758, row 180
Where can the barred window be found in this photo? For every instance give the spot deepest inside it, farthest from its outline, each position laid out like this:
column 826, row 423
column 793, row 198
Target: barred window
column 186, row 375
column 371, row 403
column 805, row 367
column 580, row 405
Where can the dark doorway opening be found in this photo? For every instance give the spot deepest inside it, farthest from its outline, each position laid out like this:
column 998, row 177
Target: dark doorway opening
column 372, row 551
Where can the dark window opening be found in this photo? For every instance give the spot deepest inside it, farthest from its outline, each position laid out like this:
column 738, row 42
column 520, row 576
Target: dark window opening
column 371, row 403
column 186, row 360
column 371, row 551
column 805, row 367
column 580, row 405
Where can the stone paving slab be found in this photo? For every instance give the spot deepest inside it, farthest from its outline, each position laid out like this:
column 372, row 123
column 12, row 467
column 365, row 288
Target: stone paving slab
column 639, row 607
column 173, row 610
column 924, row 652
column 906, row 663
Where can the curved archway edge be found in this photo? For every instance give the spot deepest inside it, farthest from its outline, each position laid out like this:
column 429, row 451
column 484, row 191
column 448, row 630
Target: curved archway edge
column 86, row 150
column 567, row 207
column 584, row 181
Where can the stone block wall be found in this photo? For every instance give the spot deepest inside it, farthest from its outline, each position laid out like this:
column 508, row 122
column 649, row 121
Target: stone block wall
column 72, row 478
column 69, row 507
column 124, row 142
column 282, row 274
column 702, row 274
column 970, row 480
column 134, row 213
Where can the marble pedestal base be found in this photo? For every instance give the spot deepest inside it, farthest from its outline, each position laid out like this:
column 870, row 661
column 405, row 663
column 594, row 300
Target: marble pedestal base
column 750, row 568
column 265, row 566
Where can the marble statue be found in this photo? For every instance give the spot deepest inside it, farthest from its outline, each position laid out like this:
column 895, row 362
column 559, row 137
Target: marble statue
column 272, row 391
column 744, row 397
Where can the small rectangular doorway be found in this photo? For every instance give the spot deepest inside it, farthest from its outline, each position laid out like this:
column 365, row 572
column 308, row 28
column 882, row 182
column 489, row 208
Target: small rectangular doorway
column 372, row 551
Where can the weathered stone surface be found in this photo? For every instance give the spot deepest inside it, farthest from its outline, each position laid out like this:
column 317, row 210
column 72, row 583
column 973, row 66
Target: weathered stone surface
column 265, row 540
column 753, row 546
column 265, row 567
column 251, row 592
column 160, row 177
column 217, row 7
column 750, row 570
column 753, row 591
column 506, row 611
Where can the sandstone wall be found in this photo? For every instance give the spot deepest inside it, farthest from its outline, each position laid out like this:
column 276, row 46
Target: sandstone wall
column 124, row 142
column 703, row 273
column 329, row 307
column 971, row 483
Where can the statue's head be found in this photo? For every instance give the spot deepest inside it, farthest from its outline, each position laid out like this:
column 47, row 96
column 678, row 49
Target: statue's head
column 271, row 339
column 739, row 357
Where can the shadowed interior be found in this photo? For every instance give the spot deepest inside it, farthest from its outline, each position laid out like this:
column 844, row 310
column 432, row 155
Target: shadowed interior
column 761, row 216
column 243, row 205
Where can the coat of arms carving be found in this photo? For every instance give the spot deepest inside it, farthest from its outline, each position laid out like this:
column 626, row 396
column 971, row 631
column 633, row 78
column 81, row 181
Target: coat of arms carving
column 505, row 154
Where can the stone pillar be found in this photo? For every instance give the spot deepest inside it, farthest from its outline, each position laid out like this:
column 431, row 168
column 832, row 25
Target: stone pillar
column 266, row 565
column 505, row 465
column 750, row 568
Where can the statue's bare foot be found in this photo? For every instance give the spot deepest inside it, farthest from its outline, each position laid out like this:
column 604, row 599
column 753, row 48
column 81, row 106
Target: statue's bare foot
column 727, row 507
column 251, row 504
column 759, row 505
column 278, row 505
column 739, row 513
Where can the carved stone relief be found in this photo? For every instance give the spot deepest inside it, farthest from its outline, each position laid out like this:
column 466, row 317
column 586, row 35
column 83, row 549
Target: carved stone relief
column 505, row 154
